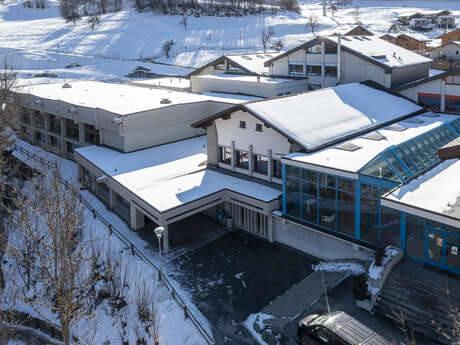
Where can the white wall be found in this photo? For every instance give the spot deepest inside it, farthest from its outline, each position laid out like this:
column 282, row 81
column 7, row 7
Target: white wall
column 451, row 51
column 228, row 130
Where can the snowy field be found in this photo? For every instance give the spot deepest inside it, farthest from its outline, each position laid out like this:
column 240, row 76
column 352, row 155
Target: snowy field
column 47, row 43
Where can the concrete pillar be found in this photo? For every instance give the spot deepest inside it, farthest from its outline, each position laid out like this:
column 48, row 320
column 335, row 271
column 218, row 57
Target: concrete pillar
column 323, row 63
column 270, row 165
column 251, row 163
column 137, row 218
column 63, row 146
column 112, row 198
column 270, row 228
column 233, row 155
column 443, row 95
column 81, row 134
column 166, row 239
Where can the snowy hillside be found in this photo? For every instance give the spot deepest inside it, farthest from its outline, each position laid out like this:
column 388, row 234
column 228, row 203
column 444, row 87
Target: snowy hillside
column 109, row 51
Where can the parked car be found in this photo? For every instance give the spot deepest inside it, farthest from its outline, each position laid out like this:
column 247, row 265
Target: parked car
column 337, row 328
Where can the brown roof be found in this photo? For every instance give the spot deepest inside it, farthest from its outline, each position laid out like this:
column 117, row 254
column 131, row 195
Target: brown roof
column 448, row 34
column 450, row 150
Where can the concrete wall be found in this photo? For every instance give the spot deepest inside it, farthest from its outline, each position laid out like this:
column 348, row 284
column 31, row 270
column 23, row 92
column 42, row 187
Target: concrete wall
column 211, row 144
column 402, row 75
column 316, row 243
column 450, row 51
column 203, row 84
column 355, row 69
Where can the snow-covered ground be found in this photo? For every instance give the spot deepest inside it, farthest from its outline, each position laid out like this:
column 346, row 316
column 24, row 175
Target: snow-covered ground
column 173, row 328
column 110, row 51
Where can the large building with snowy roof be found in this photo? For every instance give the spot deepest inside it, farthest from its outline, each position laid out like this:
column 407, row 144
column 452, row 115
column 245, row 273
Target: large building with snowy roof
column 62, row 117
column 354, row 165
column 332, row 60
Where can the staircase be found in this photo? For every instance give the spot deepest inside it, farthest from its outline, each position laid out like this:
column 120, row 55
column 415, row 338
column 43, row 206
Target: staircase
column 425, row 308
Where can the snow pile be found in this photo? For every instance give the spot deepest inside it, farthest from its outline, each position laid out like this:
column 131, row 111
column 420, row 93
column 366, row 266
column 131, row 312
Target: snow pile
column 257, row 320
column 375, row 272
column 351, row 267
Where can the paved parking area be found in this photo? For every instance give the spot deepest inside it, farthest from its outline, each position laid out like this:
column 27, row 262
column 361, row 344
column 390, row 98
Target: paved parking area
column 237, row 275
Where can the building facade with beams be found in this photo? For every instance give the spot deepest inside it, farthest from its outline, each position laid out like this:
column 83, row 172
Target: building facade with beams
column 339, row 172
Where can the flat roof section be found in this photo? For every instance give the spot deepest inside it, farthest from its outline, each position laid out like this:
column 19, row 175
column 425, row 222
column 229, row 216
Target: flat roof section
column 253, row 62
column 437, row 191
column 171, row 175
column 371, row 144
column 318, row 118
column 245, row 78
column 122, row 99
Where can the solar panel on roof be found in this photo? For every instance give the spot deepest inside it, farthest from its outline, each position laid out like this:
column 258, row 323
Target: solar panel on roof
column 374, row 136
column 396, row 127
column 430, row 115
column 348, row 147
column 246, row 57
column 414, row 120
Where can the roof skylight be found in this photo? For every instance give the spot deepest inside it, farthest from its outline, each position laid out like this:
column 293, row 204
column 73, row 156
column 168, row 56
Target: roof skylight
column 348, row 147
column 246, row 57
column 414, row 120
column 396, row 127
column 269, row 56
column 374, row 136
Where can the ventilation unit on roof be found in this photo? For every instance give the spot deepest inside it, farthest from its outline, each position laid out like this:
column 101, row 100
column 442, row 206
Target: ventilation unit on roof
column 348, row 147
column 396, row 127
column 414, row 120
column 165, row 101
column 246, row 57
column 374, row 136
column 66, row 86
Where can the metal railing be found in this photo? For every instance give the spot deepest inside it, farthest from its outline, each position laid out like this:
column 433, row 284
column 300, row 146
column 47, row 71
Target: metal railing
column 134, row 250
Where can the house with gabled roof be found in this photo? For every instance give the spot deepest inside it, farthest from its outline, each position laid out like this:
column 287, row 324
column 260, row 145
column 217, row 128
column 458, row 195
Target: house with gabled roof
column 328, row 61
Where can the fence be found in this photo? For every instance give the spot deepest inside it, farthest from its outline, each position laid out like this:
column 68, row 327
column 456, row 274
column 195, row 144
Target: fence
column 135, row 251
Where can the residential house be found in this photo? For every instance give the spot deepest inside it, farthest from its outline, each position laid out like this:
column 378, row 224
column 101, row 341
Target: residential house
column 446, row 56
column 407, row 42
column 328, row 61
column 446, row 22
column 450, row 36
column 431, row 16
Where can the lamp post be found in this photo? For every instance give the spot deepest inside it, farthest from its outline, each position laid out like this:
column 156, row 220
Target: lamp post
column 159, row 232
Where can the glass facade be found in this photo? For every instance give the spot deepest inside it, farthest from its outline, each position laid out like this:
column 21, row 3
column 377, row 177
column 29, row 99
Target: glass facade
column 407, row 160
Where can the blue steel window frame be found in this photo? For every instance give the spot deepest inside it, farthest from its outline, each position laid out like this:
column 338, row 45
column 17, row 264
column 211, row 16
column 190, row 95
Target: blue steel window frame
column 406, row 169
column 403, row 180
column 318, row 185
column 399, row 152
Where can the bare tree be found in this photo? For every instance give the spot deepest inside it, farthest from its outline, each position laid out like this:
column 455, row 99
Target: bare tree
column 184, row 21
column 167, row 46
column 267, row 35
column 356, row 15
column 93, row 20
column 312, row 22
column 277, row 45
column 333, row 10
column 50, row 217
column 74, row 17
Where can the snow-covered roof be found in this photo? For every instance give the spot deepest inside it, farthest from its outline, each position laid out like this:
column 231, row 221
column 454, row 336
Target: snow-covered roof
column 170, row 175
column 381, row 51
column 122, row 99
column 353, row 161
column 253, row 62
column 436, row 191
column 244, row 78
column 317, row 118
column 172, row 83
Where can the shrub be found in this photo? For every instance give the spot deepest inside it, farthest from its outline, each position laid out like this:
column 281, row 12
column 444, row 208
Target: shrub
column 360, row 288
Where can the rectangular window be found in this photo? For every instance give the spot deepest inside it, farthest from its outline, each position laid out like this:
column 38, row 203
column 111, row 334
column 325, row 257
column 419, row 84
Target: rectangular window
column 260, row 164
column 313, row 70
column 225, row 155
column 39, row 120
column 242, row 159
column 331, row 71
column 296, row 68
column 71, row 129
column 259, row 127
column 276, row 168
column 25, row 132
column 40, row 137
column 220, row 66
column 293, row 197
column 55, row 142
column 91, row 134
column 316, row 49
column 242, row 124
column 25, row 117
column 453, row 104
column 310, row 202
column 55, row 124
column 70, row 147
column 430, row 101
column 331, row 48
